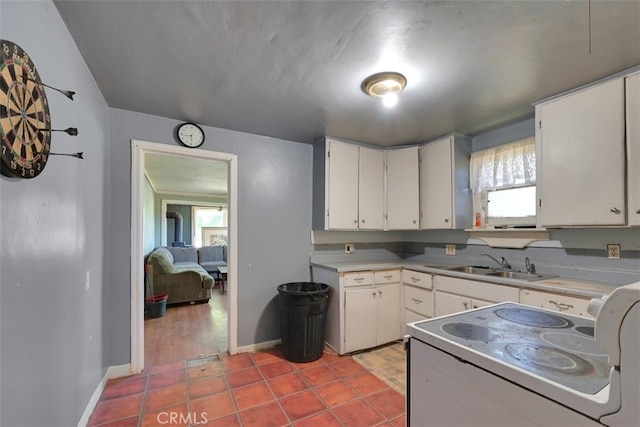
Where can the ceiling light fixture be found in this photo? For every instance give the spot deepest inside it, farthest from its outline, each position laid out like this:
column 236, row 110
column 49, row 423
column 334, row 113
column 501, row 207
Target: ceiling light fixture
column 386, row 85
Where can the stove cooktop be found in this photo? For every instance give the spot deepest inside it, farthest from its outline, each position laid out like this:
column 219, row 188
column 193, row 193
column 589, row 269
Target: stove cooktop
column 555, row 346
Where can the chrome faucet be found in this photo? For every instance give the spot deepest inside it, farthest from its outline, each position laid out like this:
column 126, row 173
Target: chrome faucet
column 531, row 268
column 503, row 263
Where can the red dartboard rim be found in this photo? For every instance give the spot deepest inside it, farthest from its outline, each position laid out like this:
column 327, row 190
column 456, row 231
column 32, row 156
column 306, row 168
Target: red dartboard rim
column 24, row 111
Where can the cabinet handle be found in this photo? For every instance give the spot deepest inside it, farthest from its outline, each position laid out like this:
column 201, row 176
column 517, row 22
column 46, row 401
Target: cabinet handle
column 414, row 221
column 417, row 301
column 561, row 305
column 414, row 279
column 373, row 293
column 638, row 211
column 475, row 306
column 446, row 220
column 466, row 304
column 388, row 277
column 616, row 211
column 355, row 221
column 358, row 279
column 363, row 221
column 380, row 293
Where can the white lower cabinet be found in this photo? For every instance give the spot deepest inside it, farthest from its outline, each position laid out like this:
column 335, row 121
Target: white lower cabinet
column 454, row 295
column 372, row 314
column 550, row 301
column 418, row 296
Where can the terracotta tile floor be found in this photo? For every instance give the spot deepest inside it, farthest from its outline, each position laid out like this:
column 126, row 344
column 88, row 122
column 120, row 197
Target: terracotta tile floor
column 251, row 389
column 388, row 363
column 193, row 381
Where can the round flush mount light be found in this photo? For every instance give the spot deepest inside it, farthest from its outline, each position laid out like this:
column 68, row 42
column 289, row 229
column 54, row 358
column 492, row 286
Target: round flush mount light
column 386, row 85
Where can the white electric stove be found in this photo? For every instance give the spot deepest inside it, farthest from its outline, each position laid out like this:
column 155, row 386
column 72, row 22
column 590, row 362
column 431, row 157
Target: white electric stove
column 511, row 364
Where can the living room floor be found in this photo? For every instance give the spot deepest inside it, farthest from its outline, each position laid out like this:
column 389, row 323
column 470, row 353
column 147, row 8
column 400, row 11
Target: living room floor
column 187, row 384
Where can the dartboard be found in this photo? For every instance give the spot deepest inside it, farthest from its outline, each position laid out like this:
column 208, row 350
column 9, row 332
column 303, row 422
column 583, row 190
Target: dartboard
column 25, row 122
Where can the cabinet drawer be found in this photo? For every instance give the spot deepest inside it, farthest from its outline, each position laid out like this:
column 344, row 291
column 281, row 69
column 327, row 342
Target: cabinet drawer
column 416, row 278
column 410, row 316
column 555, row 302
column 481, row 290
column 386, row 276
column 358, row 278
column 419, row 300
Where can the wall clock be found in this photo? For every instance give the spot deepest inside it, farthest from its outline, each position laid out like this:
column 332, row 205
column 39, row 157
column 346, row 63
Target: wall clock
column 25, row 122
column 190, row 134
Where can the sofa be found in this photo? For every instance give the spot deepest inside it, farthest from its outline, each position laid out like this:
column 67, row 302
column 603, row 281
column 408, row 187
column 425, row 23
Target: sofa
column 175, row 271
column 212, row 257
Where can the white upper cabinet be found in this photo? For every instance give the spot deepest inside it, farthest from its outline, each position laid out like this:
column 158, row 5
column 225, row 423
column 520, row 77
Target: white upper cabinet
column 402, row 189
column 445, row 197
column 371, row 189
column 353, row 184
column 632, row 85
column 580, row 141
column 342, row 192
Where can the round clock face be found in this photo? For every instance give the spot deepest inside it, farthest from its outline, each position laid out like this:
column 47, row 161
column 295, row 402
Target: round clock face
column 25, row 122
column 190, row 135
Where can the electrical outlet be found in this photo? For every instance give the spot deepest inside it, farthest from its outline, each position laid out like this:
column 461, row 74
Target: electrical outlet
column 450, row 249
column 349, row 248
column 613, row 251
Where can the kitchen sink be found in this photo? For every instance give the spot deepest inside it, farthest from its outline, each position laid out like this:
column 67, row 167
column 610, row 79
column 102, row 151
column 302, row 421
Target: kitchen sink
column 472, row 270
column 519, row 275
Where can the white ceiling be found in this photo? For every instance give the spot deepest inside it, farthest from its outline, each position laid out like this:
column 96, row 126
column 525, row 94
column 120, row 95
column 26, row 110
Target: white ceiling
column 179, row 175
column 293, row 69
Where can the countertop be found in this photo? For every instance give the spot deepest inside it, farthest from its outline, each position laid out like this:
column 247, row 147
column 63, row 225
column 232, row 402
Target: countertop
column 561, row 285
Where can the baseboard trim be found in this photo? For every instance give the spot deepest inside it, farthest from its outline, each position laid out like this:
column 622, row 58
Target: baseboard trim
column 258, row 346
column 112, row 372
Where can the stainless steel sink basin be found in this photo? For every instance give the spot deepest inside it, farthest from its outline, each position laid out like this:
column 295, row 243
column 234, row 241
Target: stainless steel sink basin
column 472, row 270
column 518, row 275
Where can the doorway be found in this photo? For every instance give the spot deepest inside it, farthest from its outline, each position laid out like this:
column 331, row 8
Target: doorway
column 139, row 150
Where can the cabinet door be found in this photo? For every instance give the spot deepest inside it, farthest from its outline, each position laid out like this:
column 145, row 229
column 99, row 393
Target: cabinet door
column 360, row 319
column 389, row 315
column 402, row 189
column 448, row 303
column 342, row 177
column 436, row 186
column 371, row 189
column 633, row 148
column 581, row 157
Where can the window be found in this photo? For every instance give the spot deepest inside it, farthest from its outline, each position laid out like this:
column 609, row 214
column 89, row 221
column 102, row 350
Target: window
column 503, row 183
column 207, row 217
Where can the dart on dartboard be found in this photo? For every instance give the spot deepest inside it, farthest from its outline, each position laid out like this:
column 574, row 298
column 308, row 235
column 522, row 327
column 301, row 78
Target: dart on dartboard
column 68, row 93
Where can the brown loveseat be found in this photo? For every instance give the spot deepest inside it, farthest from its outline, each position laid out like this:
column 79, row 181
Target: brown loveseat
column 176, row 272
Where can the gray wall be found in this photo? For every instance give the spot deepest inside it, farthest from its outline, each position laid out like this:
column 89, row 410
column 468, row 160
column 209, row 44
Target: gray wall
column 52, row 234
column 274, row 219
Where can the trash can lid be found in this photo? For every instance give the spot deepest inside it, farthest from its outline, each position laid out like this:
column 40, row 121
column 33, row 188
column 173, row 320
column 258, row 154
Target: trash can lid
column 303, row 288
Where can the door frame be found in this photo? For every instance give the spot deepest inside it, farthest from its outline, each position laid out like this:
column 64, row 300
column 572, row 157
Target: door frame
column 138, row 151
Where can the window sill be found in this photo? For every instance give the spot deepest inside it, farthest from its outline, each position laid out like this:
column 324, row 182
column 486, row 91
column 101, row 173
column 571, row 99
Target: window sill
column 509, row 237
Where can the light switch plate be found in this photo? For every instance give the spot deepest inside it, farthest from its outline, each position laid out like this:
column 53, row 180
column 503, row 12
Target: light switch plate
column 450, row 249
column 613, row 251
column 349, row 248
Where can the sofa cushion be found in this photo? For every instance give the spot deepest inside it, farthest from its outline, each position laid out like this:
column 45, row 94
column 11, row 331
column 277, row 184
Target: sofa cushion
column 211, row 253
column 164, row 259
column 212, row 266
column 183, row 254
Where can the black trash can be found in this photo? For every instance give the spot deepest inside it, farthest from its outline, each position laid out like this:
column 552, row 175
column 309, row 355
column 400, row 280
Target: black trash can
column 303, row 316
